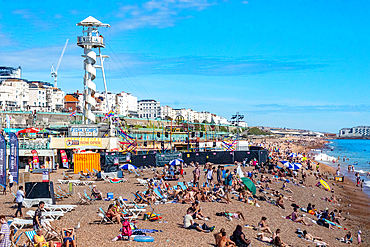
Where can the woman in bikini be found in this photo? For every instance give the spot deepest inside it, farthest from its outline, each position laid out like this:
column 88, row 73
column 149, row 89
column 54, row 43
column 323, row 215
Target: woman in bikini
column 263, row 226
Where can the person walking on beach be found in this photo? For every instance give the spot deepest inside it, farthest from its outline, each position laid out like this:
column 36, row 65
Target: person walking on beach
column 11, row 182
column 196, row 174
column 219, row 175
column 4, row 232
column 37, row 216
column 19, row 200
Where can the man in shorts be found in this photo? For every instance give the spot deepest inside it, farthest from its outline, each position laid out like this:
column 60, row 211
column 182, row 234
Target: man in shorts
column 37, row 216
column 11, row 181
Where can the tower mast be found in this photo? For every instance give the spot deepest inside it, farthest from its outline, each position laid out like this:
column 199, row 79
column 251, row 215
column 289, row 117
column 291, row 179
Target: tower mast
column 91, row 39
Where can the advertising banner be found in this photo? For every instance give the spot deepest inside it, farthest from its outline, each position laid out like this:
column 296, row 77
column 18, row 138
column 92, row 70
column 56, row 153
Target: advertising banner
column 74, row 142
column 13, row 156
column 35, row 160
column 2, row 161
column 64, row 158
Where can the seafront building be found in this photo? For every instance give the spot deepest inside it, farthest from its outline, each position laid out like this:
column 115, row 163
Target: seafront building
column 359, row 131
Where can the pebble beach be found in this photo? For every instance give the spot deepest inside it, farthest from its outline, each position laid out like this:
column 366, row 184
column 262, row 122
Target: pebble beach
column 353, row 203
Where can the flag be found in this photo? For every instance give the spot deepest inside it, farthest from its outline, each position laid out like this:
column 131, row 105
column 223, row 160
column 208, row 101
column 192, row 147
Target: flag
column 110, row 113
column 73, row 114
column 105, row 118
column 116, row 120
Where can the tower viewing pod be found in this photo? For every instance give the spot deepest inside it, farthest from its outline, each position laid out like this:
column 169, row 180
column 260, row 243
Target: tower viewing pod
column 91, row 39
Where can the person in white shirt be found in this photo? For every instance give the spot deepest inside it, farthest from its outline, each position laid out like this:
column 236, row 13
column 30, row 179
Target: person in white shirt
column 19, row 200
column 190, row 224
column 11, row 181
column 209, row 176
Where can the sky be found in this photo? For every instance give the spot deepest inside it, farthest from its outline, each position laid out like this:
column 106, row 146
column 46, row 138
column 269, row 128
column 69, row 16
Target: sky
column 280, row 63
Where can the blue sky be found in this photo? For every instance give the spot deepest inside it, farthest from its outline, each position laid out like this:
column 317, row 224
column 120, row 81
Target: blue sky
column 297, row 64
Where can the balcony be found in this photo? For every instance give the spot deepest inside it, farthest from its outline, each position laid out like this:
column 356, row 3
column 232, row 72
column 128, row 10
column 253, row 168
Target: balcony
column 94, row 41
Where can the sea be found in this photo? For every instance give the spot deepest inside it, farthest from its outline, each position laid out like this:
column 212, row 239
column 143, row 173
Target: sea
column 348, row 152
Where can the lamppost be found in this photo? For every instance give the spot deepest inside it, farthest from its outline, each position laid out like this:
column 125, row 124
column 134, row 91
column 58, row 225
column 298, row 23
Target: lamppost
column 237, row 117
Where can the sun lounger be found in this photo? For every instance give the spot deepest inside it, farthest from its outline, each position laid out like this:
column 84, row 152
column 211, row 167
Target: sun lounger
column 183, row 187
column 18, row 223
column 132, row 205
column 50, row 233
column 88, row 197
column 55, row 215
column 31, row 202
column 139, row 198
column 62, row 208
column 143, row 182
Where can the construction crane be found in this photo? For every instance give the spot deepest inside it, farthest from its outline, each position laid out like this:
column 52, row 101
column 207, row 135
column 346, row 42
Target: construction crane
column 54, row 72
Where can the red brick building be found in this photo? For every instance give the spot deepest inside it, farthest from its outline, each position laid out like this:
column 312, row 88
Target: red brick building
column 70, row 103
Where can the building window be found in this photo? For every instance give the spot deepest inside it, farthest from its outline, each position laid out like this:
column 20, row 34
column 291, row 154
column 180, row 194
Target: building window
column 70, row 108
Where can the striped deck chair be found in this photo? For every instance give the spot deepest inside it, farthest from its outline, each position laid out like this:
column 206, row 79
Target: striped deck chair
column 30, row 235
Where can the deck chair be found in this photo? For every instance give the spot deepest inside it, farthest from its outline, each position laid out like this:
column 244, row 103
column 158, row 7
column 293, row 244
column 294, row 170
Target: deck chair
column 139, row 198
column 50, row 233
column 88, row 197
column 67, row 177
column 105, row 218
column 183, row 187
column 82, row 176
column 137, row 174
column 82, row 200
column 161, row 197
column 89, row 174
column 30, row 235
column 57, row 196
column 190, row 184
column 95, row 171
column 61, row 192
column 15, row 240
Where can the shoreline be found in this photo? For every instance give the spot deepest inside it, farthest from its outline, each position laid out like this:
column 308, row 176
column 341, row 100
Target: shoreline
column 354, row 203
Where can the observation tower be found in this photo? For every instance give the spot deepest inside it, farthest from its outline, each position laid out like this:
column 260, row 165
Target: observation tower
column 91, row 39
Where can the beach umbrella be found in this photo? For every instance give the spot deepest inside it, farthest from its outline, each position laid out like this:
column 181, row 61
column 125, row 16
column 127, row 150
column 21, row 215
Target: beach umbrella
column 295, row 166
column 29, row 130
column 128, row 167
column 250, row 185
column 176, row 162
column 293, row 155
column 285, row 163
column 44, row 131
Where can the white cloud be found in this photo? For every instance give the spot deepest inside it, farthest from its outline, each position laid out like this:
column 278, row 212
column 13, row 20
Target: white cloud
column 158, row 13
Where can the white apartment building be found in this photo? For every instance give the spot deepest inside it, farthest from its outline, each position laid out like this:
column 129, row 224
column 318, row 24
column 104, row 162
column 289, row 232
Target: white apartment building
column 126, row 104
column 203, row 116
column 10, row 73
column 37, row 96
column 149, row 108
column 359, row 131
column 167, row 112
column 186, row 114
column 14, row 95
column 57, row 99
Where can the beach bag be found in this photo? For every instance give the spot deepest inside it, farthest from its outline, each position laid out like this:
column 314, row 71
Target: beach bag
column 126, row 228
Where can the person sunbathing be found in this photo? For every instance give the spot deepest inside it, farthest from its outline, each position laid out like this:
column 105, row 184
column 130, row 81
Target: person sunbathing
column 224, row 241
column 261, row 237
column 277, row 240
column 114, row 216
column 285, row 187
column 294, row 217
column 237, row 215
column 195, row 207
column 263, row 226
column 68, row 237
column 316, row 240
column 280, row 202
column 218, row 236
